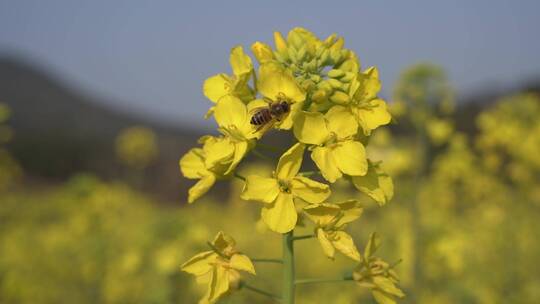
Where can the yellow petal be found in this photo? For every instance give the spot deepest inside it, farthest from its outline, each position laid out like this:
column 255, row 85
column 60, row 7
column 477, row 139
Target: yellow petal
column 386, row 285
column 224, row 243
column 217, row 86
column 369, row 84
column 219, row 284
column 309, row 190
column 310, row 128
column 281, row 215
column 230, row 112
column 281, row 45
column 321, row 214
column 326, row 163
column 201, row 187
column 275, row 81
column 240, row 62
column 341, row 121
column 240, row 150
column 326, row 245
column 376, row 184
column 350, row 157
column 289, row 121
column 382, row 298
column 200, row 263
column 262, row 52
column 218, row 152
column 242, row 262
column 351, row 210
column 345, row 244
column 373, row 244
column 261, row 189
column 374, row 115
column 192, row 164
column 290, row 162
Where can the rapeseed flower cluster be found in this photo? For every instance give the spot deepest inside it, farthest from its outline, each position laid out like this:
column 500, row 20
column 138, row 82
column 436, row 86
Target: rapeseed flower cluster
column 330, row 105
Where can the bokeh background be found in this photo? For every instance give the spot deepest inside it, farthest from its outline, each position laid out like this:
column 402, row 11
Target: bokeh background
column 99, row 100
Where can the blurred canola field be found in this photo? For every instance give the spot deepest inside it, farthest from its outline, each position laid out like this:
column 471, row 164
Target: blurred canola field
column 465, row 219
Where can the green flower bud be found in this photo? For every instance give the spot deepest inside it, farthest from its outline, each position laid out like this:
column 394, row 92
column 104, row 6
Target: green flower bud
column 336, row 84
column 334, row 73
column 339, row 97
column 349, row 76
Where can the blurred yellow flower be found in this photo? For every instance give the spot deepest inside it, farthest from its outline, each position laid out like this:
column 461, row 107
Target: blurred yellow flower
column 279, row 191
column 330, row 220
column 137, row 147
column 335, row 150
column 377, row 275
column 219, row 267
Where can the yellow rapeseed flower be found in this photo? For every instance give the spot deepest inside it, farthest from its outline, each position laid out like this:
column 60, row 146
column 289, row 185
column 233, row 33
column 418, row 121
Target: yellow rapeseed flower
column 335, row 150
column 217, row 158
column 369, row 110
column 136, row 146
column 279, row 191
column 233, row 119
column 330, row 220
column 377, row 275
column 219, row 268
column 221, row 85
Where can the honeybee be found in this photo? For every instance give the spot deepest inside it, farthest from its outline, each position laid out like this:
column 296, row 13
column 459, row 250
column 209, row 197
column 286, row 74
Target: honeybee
column 265, row 117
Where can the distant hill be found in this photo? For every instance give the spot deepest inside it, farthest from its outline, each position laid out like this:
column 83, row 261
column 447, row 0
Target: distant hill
column 60, row 132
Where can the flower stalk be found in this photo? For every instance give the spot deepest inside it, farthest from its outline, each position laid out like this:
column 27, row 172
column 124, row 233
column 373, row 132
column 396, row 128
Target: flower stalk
column 288, row 269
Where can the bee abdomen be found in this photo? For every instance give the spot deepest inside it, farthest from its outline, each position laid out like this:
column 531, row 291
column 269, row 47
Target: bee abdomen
column 261, row 118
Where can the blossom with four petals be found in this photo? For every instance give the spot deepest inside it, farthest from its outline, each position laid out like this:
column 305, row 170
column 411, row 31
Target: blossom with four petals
column 330, row 220
column 279, row 192
column 219, row 267
column 237, row 85
column 335, row 150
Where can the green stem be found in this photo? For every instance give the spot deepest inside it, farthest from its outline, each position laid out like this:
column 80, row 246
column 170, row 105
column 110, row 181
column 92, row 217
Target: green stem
column 260, row 291
column 235, row 174
column 288, row 268
column 323, row 280
column 303, row 237
column 278, row 261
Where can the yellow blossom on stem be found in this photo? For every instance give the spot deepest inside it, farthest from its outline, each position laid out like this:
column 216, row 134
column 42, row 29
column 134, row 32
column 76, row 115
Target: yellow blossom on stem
column 221, row 85
column 369, row 110
column 335, row 150
column 219, row 267
column 217, row 158
column 330, row 221
column 279, row 192
column 377, row 275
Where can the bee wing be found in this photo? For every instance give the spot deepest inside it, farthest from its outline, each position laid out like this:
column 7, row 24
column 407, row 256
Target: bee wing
column 265, row 127
column 256, row 109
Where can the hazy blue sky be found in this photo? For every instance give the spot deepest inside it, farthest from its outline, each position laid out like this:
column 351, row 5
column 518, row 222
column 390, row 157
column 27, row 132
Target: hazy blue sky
column 152, row 56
